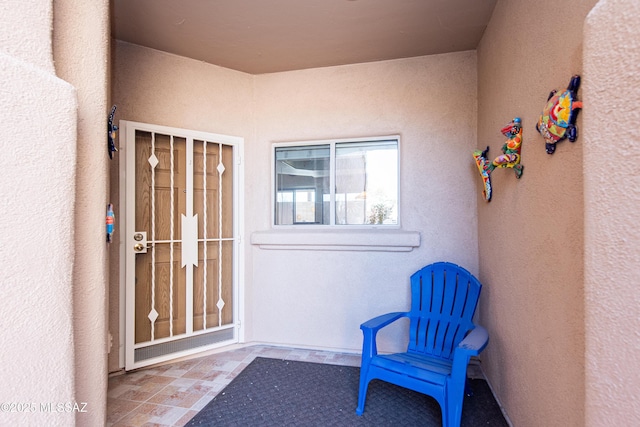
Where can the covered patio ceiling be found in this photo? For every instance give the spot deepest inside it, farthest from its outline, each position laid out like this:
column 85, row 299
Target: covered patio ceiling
column 266, row 36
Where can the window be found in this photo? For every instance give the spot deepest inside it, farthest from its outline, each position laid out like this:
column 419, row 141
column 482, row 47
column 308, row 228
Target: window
column 341, row 182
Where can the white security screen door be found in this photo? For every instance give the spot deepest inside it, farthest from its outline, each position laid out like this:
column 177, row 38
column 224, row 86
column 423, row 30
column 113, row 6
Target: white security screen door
column 181, row 239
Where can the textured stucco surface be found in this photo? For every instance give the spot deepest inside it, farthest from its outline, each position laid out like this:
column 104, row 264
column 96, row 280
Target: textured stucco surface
column 25, row 32
column 429, row 101
column 37, row 195
column 556, row 250
column 37, row 242
column 319, row 298
column 531, row 235
column 560, row 265
column 81, row 51
column 154, row 87
column 612, row 199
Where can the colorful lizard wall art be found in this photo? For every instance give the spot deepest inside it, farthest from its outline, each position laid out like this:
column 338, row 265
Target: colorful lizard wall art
column 510, row 157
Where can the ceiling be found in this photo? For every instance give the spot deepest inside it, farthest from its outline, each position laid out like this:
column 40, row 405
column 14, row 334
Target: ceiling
column 266, row 36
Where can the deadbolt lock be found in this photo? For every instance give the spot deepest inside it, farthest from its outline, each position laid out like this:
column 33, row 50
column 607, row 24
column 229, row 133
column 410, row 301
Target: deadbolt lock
column 140, row 242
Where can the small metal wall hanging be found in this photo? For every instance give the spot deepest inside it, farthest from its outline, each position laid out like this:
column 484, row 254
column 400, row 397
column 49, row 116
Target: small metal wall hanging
column 558, row 119
column 111, row 133
column 510, row 157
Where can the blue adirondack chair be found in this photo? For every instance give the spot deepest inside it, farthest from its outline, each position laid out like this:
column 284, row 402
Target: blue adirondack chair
column 442, row 339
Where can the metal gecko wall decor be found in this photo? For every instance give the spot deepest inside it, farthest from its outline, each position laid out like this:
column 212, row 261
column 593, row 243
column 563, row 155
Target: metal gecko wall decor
column 111, row 133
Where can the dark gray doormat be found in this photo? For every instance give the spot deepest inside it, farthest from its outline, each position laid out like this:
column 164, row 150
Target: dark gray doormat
column 273, row 392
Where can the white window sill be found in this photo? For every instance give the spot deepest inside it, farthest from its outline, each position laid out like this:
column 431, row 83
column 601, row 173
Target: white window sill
column 337, row 240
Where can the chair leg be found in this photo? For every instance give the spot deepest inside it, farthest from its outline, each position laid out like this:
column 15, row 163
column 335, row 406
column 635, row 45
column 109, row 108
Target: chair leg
column 445, row 416
column 454, row 415
column 362, row 395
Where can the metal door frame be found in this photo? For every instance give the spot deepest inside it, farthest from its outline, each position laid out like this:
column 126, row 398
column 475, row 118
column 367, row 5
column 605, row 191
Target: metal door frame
column 127, row 228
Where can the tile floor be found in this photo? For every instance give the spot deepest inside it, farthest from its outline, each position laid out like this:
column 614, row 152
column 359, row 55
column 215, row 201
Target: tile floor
column 171, row 394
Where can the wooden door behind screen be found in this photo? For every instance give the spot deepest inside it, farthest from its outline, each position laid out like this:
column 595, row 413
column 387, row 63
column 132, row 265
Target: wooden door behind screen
column 181, row 245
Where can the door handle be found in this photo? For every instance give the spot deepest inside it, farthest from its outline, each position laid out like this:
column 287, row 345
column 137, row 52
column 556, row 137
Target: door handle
column 140, row 237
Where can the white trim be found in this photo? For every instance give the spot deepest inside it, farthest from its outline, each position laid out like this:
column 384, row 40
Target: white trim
column 172, row 228
column 190, row 249
column 126, row 235
column 153, row 227
column 332, row 161
column 332, row 184
column 238, row 230
column 205, row 217
column 220, row 211
column 120, row 223
column 338, row 240
column 189, row 260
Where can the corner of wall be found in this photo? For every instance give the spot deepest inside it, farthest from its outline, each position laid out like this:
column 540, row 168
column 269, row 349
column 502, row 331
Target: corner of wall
column 612, row 235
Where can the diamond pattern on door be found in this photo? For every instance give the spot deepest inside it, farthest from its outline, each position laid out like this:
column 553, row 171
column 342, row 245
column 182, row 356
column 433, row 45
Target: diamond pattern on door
column 183, row 279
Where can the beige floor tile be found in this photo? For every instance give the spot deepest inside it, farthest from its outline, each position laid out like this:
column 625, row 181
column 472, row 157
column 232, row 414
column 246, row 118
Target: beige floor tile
column 171, row 394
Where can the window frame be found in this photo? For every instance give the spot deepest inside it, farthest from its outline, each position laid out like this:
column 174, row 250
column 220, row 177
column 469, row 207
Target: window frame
column 332, row 184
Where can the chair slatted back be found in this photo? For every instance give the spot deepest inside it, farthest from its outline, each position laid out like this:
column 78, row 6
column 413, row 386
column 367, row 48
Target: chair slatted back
column 444, row 297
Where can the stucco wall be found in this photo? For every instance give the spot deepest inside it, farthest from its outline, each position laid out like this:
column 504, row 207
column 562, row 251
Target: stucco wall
column 612, row 198
column 81, row 53
column 37, row 243
column 429, row 101
column 531, row 306
column 37, row 194
column 25, row 32
column 154, row 87
column 531, row 235
column 319, row 298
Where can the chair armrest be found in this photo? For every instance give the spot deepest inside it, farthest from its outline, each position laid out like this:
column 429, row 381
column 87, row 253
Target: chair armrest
column 381, row 321
column 370, row 329
column 475, row 342
column 471, row 345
